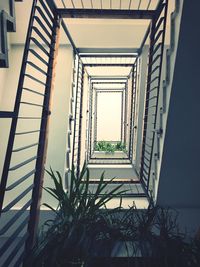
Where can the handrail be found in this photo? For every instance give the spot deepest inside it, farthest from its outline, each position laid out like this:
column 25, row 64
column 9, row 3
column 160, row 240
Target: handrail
column 7, row 114
column 76, row 151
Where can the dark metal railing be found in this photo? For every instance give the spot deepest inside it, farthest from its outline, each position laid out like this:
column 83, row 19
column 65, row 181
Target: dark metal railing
column 70, row 133
column 90, row 121
column 76, row 152
column 133, row 105
column 157, row 36
column 23, row 168
column 95, row 116
column 125, row 113
column 87, row 122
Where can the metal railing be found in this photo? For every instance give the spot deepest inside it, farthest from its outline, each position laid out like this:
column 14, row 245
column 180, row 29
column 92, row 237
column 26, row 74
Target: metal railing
column 157, row 36
column 23, row 169
column 90, row 145
column 76, row 152
column 70, row 133
column 133, row 104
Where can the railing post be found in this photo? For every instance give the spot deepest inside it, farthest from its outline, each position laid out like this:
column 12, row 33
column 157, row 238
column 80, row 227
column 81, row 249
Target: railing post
column 133, row 102
column 43, row 139
column 91, row 117
column 152, row 36
column 75, row 115
column 125, row 112
column 95, row 117
column 80, row 123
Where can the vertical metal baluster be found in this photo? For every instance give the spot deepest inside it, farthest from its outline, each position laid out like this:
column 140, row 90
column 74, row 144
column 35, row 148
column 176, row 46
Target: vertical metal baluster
column 75, row 115
column 80, row 123
column 131, row 118
column 91, row 117
column 95, row 117
column 122, row 117
column 43, row 140
column 152, row 37
column 126, row 113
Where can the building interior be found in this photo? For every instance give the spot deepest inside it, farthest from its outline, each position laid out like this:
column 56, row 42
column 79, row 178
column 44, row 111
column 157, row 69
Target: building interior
column 107, row 84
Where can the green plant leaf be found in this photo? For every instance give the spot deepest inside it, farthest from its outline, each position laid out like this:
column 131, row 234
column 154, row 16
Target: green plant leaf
column 51, row 192
column 51, row 208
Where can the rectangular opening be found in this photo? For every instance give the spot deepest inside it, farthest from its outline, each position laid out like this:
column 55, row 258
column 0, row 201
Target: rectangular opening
column 109, row 116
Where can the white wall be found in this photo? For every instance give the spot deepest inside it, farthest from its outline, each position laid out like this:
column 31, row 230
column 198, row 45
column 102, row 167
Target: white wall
column 4, row 5
column 165, row 94
column 3, row 73
column 8, row 86
column 179, row 182
column 57, row 144
column 129, row 93
column 85, row 114
column 58, row 121
column 140, row 107
column 179, row 174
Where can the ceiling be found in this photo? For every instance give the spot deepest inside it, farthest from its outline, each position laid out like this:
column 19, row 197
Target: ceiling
column 90, row 33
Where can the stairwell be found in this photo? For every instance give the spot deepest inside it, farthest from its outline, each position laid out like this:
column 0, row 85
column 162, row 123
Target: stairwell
column 169, row 160
column 124, row 175
column 117, row 167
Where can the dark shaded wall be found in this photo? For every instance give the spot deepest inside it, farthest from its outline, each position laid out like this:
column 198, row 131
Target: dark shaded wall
column 179, row 184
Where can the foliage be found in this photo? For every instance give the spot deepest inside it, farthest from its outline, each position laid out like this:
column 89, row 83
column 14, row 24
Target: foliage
column 79, row 224
column 82, row 229
column 120, row 146
column 109, row 147
column 155, row 234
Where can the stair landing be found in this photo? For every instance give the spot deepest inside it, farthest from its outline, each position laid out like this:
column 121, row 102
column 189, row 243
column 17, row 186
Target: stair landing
column 124, row 174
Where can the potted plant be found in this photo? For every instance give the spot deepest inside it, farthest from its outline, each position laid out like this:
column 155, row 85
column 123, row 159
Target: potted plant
column 83, row 229
column 109, row 147
column 80, row 225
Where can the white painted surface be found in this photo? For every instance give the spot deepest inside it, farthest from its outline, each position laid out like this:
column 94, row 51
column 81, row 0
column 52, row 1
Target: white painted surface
column 140, row 107
column 115, row 155
column 141, row 203
column 168, row 91
column 85, row 114
column 117, row 171
column 58, row 121
column 57, row 146
column 179, row 181
column 3, row 73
